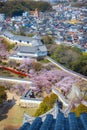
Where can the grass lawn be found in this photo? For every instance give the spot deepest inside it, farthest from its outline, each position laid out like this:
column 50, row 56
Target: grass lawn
column 14, row 116
column 44, row 61
column 6, row 73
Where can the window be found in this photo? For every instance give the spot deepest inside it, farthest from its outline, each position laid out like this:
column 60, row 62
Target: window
column 25, row 57
column 19, row 40
column 20, row 56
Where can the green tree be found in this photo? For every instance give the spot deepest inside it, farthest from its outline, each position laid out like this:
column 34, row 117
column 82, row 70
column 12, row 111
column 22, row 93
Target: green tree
column 43, row 108
column 47, row 40
column 46, row 104
column 21, row 6
column 7, row 45
column 78, row 110
column 80, row 65
column 65, row 55
column 70, row 57
column 3, row 95
column 52, row 99
column 37, row 66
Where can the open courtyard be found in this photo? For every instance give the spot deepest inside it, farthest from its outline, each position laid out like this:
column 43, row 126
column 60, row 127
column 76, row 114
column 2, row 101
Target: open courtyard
column 11, row 113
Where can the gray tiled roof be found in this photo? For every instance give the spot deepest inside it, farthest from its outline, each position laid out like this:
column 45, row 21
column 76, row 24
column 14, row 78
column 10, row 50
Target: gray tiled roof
column 8, row 34
column 35, row 41
column 22, row 38
column 42, row 48
column 26, row 49
column 31, row 49
column 37, row 47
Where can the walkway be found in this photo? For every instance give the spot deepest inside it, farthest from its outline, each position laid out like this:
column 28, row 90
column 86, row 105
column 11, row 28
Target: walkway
column 18, row 80
column 60, row 96
column 66, row 70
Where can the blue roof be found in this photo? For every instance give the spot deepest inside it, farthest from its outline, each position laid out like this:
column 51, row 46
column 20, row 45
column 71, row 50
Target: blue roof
column 60, row 123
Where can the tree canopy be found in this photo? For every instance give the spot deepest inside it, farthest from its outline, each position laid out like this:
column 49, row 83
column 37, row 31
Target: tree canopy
column 46, row 104
column 70, row 57
column 47, row 40
column 17, row 7
column 78, row 110
column 3, row 95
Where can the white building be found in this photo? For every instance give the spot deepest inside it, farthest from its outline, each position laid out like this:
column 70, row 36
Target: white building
column 26, row 47
column 28, row 99
column 2, row 17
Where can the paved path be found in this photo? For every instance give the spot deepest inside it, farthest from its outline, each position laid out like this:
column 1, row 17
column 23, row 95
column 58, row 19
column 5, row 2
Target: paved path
column 15, row 80
column 66, row 70
column 60, row 96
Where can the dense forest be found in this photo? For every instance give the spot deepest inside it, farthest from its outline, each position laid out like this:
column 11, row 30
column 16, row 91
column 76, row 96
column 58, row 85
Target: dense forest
column 78, row 3
column 71, row 57
column 17, row 7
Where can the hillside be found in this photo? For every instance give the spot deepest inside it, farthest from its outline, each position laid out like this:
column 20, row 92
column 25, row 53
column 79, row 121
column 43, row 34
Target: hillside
column 79, row 3
column 21, row 6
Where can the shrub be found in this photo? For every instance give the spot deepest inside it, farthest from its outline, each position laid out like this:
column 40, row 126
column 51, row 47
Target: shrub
column 46, row 104
column 81, row 108
column 37, row 66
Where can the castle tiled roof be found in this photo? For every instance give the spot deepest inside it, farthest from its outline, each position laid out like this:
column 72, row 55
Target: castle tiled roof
column 60, row 123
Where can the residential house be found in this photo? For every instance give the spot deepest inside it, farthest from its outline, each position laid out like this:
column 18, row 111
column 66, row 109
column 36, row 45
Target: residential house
column 2, row 17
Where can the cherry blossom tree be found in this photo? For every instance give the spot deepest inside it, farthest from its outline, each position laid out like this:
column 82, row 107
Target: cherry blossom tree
column 3, row 52
column 66, row 83
column 19, row 88
column 26, row 64
column 44, row 80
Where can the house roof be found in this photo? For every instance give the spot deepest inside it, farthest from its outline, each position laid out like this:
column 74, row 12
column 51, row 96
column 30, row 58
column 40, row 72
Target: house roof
column 8, row 34
column 26, row 49
column 60, row 123
column 34, row 41
column 31, row 49
column 42, row 48
column 22, row 38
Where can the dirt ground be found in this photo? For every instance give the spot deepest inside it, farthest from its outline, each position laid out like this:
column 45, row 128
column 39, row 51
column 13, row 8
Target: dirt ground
column 11, row 113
